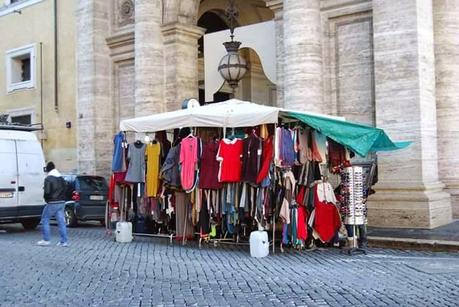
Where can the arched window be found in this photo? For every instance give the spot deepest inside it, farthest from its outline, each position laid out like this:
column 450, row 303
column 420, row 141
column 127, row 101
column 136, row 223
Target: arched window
column 212, row 21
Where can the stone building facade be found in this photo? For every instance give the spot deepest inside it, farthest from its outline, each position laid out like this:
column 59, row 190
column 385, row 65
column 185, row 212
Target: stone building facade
column 388, row 63
column 38, row 73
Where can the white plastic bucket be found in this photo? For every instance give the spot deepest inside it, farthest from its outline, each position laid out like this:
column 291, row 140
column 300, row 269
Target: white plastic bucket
column 123, row 232
column 259, row 244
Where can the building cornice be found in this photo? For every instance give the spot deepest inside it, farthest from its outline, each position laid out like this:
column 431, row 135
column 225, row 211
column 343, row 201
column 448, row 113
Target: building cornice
column 275, row 5
column 121, row 40
column 122, row 46
column 182, row 29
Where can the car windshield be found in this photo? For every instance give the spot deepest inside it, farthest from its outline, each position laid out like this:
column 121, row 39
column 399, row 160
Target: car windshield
column 92, row 183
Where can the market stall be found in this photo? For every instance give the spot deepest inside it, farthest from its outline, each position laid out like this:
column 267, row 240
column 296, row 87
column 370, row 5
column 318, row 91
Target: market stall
column 222, row 170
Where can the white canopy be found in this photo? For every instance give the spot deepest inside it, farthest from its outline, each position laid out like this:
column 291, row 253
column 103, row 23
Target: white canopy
column 230, row 113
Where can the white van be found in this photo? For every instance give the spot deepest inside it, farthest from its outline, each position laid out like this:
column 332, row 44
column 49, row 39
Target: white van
column 21, row 177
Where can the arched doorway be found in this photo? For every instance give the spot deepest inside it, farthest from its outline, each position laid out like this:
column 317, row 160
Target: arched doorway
column 254, row 86
column 212, row 21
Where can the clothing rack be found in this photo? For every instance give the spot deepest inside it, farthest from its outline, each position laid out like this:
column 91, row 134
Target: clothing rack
column 231, row 241
column 170, row 236
column 223, row 240
column 224, row 237
column 163, row 236
column 123, row 207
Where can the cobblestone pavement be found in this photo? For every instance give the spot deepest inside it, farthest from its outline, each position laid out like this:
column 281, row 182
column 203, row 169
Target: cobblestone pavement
column 95, row 271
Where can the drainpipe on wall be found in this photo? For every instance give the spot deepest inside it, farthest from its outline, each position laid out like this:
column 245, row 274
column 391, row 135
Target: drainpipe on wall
column 56, row 92
column 41, row 96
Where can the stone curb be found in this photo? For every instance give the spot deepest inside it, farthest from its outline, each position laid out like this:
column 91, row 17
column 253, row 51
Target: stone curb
column 410, row 243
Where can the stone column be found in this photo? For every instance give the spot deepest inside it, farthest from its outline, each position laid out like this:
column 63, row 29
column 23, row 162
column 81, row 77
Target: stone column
column 277, row 7
column 181, row 56
column 409, row 193
column 94, row 108
column 446, row 41
column 149, row 60
column 303, row 85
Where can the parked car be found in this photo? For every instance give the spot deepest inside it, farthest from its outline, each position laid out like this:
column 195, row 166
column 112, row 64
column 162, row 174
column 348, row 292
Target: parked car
column 86, row 199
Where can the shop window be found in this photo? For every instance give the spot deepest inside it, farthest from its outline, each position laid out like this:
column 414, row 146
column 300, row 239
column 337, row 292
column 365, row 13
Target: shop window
column 20, row 68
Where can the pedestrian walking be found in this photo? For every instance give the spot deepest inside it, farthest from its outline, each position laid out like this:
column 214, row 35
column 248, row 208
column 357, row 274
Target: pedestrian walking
column 54, row 195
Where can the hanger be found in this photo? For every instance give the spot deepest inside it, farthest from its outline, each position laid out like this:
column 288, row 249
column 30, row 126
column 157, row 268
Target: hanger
column 124, row 143
column 138, row 143
column 176, row 142
column 233, row 134
column 191, row 134
column 297, row 126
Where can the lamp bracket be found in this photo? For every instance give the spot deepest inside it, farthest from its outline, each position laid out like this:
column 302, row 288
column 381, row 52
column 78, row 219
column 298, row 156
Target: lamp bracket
column 231, row 14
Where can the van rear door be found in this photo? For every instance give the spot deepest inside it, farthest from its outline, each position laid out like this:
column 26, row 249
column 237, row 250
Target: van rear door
column 31, row 176
column 8, row 179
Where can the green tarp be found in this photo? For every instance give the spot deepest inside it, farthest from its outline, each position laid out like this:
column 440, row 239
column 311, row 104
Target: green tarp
column 359, row 138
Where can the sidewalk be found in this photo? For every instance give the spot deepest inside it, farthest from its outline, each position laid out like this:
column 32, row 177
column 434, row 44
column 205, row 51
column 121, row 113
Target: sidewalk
column 444, row 238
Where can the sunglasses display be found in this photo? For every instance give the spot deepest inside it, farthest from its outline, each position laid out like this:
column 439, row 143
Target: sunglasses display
column 353, row 207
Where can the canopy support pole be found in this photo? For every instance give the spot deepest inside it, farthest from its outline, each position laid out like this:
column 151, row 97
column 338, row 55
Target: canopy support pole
column 275, row 205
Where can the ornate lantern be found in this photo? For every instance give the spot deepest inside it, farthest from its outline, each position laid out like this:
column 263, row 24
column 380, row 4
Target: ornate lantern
column 232, row 66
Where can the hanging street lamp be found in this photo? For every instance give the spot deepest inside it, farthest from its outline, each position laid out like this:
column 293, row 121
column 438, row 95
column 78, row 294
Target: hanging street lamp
column 232, row 66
